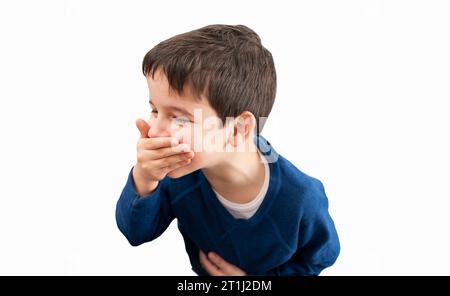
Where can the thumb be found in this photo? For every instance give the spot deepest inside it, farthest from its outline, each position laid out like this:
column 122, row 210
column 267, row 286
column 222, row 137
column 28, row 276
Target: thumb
column 143, row 127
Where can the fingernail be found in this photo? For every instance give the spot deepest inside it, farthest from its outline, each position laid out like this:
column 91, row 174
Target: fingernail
column 185, row 148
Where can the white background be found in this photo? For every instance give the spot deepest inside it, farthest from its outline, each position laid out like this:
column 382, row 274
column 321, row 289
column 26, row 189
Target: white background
column 362, row 104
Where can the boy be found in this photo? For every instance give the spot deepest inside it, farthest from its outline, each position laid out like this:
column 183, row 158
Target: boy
column 241, row 207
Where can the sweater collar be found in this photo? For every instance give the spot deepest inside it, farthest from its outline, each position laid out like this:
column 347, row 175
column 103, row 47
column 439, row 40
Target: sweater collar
column 272, row 159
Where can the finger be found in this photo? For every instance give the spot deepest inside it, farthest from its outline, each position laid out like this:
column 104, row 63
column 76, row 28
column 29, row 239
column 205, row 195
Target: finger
column 219, row 262
column 179, row 136
column 226, row 267
column 168, row 161
column 157, row 143
column 143, row 127
column 169, row 151
column 210, row 268
column 177, row 165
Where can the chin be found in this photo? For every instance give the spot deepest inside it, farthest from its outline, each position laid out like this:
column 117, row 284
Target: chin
column 186, row 170
column 178, row 173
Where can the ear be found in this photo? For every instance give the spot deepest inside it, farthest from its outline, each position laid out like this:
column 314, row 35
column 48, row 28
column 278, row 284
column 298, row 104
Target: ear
column 243, row 128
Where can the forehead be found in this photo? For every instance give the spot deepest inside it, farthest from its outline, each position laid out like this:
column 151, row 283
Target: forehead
column 163, row 97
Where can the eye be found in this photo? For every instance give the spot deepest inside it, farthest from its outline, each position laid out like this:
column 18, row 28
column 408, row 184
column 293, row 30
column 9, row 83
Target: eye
column 154, row 111
column 182, row 120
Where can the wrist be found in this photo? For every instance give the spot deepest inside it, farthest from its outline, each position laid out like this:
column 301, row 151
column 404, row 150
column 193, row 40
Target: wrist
column 143, row 186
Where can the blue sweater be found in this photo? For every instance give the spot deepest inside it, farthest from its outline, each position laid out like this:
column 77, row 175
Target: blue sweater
column 292, row 232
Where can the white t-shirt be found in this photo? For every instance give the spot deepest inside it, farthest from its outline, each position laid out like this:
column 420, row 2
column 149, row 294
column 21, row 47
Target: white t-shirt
column 247, row 210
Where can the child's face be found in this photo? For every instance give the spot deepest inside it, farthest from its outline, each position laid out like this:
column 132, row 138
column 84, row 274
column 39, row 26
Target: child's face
column 193, row 122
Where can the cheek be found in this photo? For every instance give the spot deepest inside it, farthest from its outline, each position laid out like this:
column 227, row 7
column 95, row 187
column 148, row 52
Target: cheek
column 213, row 141
column 185, row 134
column 199, row 160
column 205, row 141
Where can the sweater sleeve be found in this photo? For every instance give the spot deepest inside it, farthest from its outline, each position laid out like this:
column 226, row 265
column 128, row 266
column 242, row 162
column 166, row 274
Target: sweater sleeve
column 142, row 219
column 318, row 246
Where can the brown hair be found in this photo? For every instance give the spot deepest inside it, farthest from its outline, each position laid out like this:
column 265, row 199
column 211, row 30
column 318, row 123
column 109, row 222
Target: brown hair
column 226, row 64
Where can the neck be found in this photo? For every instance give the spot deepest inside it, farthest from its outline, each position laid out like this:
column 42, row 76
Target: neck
column 239, row 176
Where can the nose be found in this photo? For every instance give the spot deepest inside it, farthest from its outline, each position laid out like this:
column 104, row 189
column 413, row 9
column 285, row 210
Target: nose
column 158, row 128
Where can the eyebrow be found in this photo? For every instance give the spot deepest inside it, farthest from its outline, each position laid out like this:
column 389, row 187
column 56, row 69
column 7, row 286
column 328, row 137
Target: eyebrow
column 175, row 108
